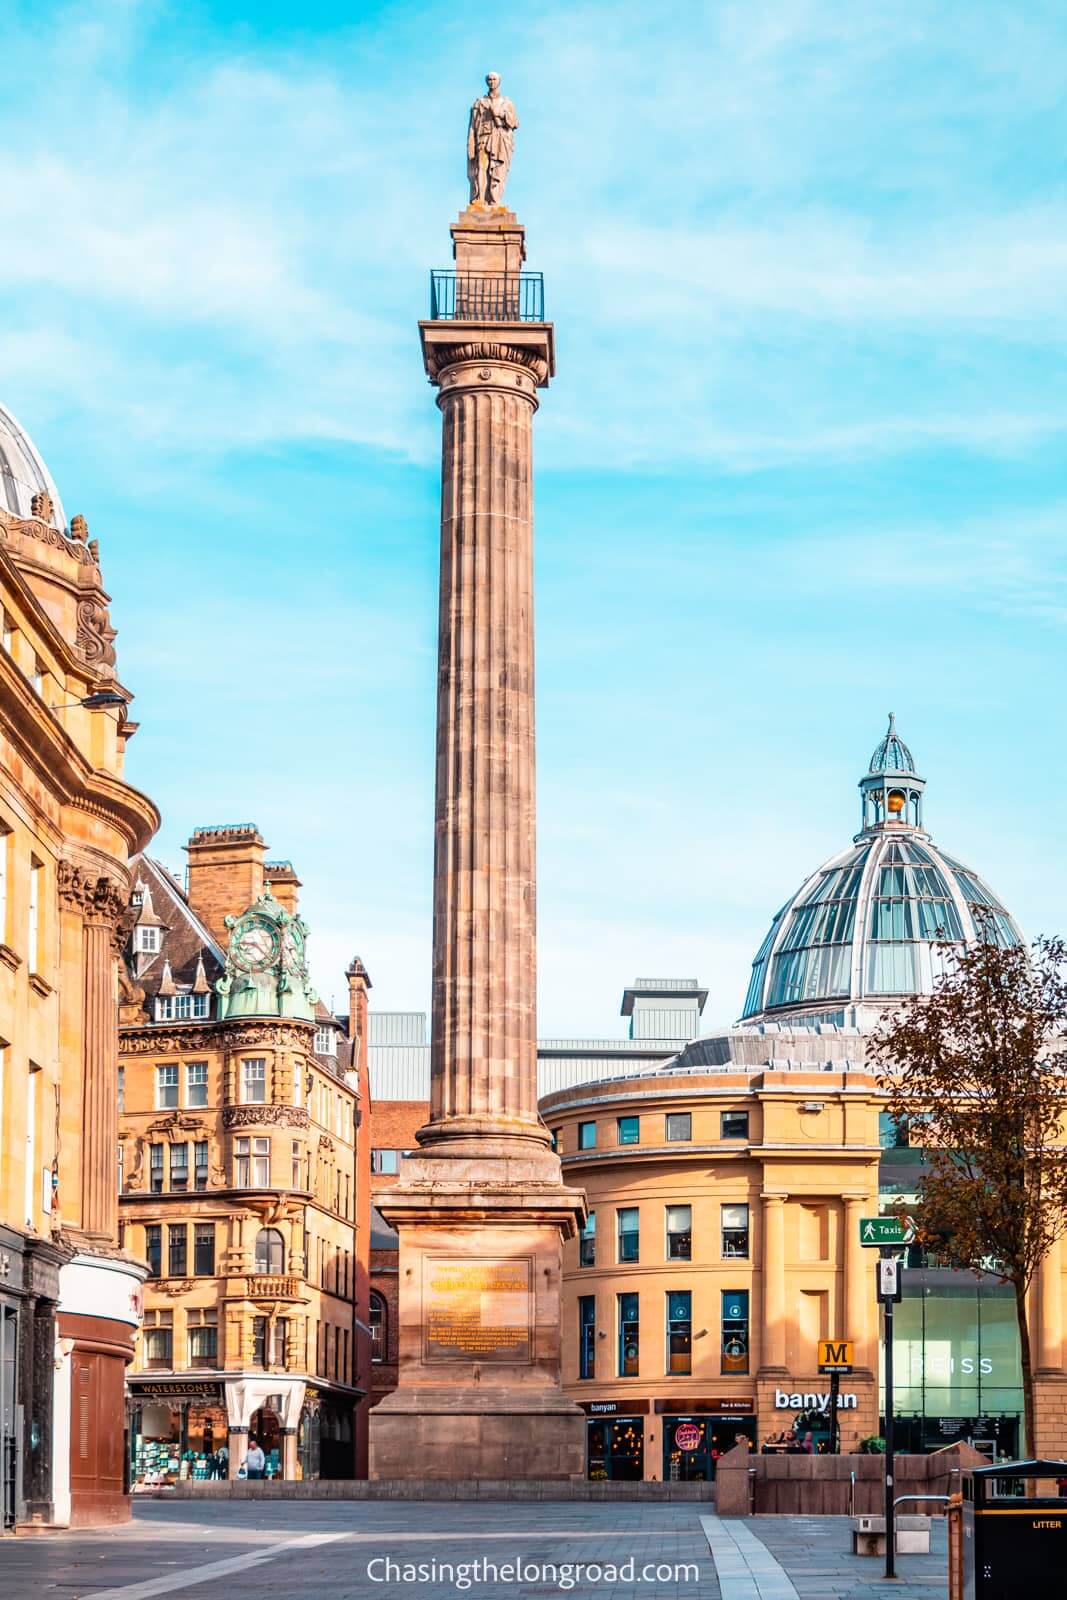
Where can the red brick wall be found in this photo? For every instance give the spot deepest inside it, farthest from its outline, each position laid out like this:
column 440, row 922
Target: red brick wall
column 393, row 1124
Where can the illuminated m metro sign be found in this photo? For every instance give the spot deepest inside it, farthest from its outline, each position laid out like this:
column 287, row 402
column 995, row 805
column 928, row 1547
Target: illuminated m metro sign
column 835, row 1355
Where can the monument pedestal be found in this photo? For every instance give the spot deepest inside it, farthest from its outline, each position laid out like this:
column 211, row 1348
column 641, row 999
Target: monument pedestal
column 479, row 1314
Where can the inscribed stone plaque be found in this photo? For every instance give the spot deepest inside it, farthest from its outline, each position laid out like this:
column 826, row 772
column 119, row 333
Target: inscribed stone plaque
column 477, row 1308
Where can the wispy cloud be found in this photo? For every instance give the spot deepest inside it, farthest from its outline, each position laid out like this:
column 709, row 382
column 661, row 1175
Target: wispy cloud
column 803, row 456
column 247, row 242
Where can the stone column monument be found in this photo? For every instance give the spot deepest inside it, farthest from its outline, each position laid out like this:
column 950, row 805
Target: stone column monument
column 481, row 1208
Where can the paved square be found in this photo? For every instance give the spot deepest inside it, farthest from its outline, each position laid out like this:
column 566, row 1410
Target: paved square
column 391, row 1550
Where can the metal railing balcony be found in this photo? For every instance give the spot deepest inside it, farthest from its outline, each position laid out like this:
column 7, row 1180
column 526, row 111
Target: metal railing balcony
column 472, row 297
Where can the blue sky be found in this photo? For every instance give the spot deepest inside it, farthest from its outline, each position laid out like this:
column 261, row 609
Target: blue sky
column 803, row 461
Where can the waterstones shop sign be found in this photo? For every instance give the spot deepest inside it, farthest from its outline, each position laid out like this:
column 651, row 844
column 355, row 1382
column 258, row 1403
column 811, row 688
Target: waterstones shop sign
column 794, row 1400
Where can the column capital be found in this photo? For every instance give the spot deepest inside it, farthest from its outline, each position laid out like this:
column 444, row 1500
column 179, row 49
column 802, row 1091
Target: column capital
column 527, row 346
column 100, row 897
column 774, row 1194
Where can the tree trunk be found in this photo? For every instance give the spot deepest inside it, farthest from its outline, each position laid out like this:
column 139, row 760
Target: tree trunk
column 1030, row 1442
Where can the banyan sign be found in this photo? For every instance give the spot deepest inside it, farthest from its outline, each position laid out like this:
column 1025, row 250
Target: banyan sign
column 876, row 1231
column 477, row 1308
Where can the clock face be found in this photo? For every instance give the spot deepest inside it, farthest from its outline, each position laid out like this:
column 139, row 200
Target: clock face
column 256, row 946
column 293, row 948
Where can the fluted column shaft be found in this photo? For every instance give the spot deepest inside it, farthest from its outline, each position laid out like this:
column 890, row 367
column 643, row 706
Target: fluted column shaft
column 100, row 1120
column 484, row 1036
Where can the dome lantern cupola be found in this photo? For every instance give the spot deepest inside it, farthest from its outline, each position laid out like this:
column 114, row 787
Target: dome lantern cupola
column 891, row 789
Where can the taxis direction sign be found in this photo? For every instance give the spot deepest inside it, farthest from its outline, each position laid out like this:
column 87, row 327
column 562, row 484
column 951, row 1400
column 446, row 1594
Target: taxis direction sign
column 835, row 1355
column 875, row 1231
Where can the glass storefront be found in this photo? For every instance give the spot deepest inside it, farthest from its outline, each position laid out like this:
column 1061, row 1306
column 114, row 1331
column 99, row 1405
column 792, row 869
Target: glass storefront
column 324, row 1439
column 616, row 1448
column 956, row 1363
column 172, row 1437
column 693, row 1445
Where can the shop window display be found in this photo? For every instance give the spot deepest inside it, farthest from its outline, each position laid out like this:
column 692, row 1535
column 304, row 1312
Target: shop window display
column 616, row 1449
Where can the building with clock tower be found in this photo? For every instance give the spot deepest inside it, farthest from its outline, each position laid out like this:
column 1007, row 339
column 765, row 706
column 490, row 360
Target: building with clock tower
column 241, row 1149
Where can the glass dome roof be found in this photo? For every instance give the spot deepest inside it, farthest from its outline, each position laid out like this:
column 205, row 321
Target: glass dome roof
column 865, row 928
column 23, row 472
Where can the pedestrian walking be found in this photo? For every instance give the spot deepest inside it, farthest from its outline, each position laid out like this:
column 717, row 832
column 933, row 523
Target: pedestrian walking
column 255, row 1460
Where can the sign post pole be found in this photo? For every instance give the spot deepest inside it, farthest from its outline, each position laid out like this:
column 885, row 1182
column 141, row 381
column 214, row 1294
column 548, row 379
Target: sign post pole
column 889, row 1293
column 835, row 1390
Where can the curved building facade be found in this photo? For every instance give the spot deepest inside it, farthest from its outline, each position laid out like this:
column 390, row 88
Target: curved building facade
column 727, row 1187
column 70, row 1299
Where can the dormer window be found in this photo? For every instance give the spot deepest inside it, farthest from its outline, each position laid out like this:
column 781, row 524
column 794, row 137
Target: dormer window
column 147, row 940
column 181, row 1007
column 325, row 1042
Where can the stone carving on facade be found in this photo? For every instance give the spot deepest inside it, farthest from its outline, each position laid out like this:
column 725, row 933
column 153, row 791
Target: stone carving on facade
column 490, row 145
column 86, row 555
column 276, row 1116
column 103, row 901
column 95, row 636
column 41, row 506
column 134, row 1179
column 293, row 1035
column 168, row 1041
column 174, row 1286
column 275, row 1210
column 177, row 1122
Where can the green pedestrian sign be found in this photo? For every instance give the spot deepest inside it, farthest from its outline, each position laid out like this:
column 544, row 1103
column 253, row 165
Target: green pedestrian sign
column 875, row 1231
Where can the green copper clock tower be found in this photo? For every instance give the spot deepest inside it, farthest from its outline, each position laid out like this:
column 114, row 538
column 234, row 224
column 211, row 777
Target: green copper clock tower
column 266, row 965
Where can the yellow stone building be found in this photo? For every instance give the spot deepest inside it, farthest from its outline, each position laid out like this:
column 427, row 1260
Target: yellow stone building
column 241, row 1153
column 723, row 1242
column 727, row 1189
column 69, row 823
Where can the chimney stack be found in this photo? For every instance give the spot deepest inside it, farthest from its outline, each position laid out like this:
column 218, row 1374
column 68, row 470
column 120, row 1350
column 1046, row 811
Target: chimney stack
column 225, row 873
column 283, row 883
column 358, row 985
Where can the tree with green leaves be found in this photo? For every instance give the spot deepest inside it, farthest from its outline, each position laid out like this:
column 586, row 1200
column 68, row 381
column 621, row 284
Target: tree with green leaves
column 976, row 1073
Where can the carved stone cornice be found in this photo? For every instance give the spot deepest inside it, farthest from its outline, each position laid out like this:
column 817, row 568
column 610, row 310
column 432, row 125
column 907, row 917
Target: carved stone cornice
column 272, row 1116
column 100, row 899
column 147, row 1039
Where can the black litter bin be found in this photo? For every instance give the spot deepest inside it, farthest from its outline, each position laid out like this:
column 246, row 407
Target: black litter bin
column 1015, row 1542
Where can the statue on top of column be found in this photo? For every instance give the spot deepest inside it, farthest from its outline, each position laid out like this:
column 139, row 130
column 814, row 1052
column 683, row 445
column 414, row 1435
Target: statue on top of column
column 490, row 143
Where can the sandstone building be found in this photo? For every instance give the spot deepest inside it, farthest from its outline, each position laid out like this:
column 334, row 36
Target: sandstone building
column 244, row 1174
column 69, row 823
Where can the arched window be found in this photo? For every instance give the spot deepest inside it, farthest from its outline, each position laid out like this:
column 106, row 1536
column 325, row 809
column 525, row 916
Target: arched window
column 270, row 1251
column 377, row 1328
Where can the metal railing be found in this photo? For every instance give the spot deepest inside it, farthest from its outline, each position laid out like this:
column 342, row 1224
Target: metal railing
column 474, row 297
